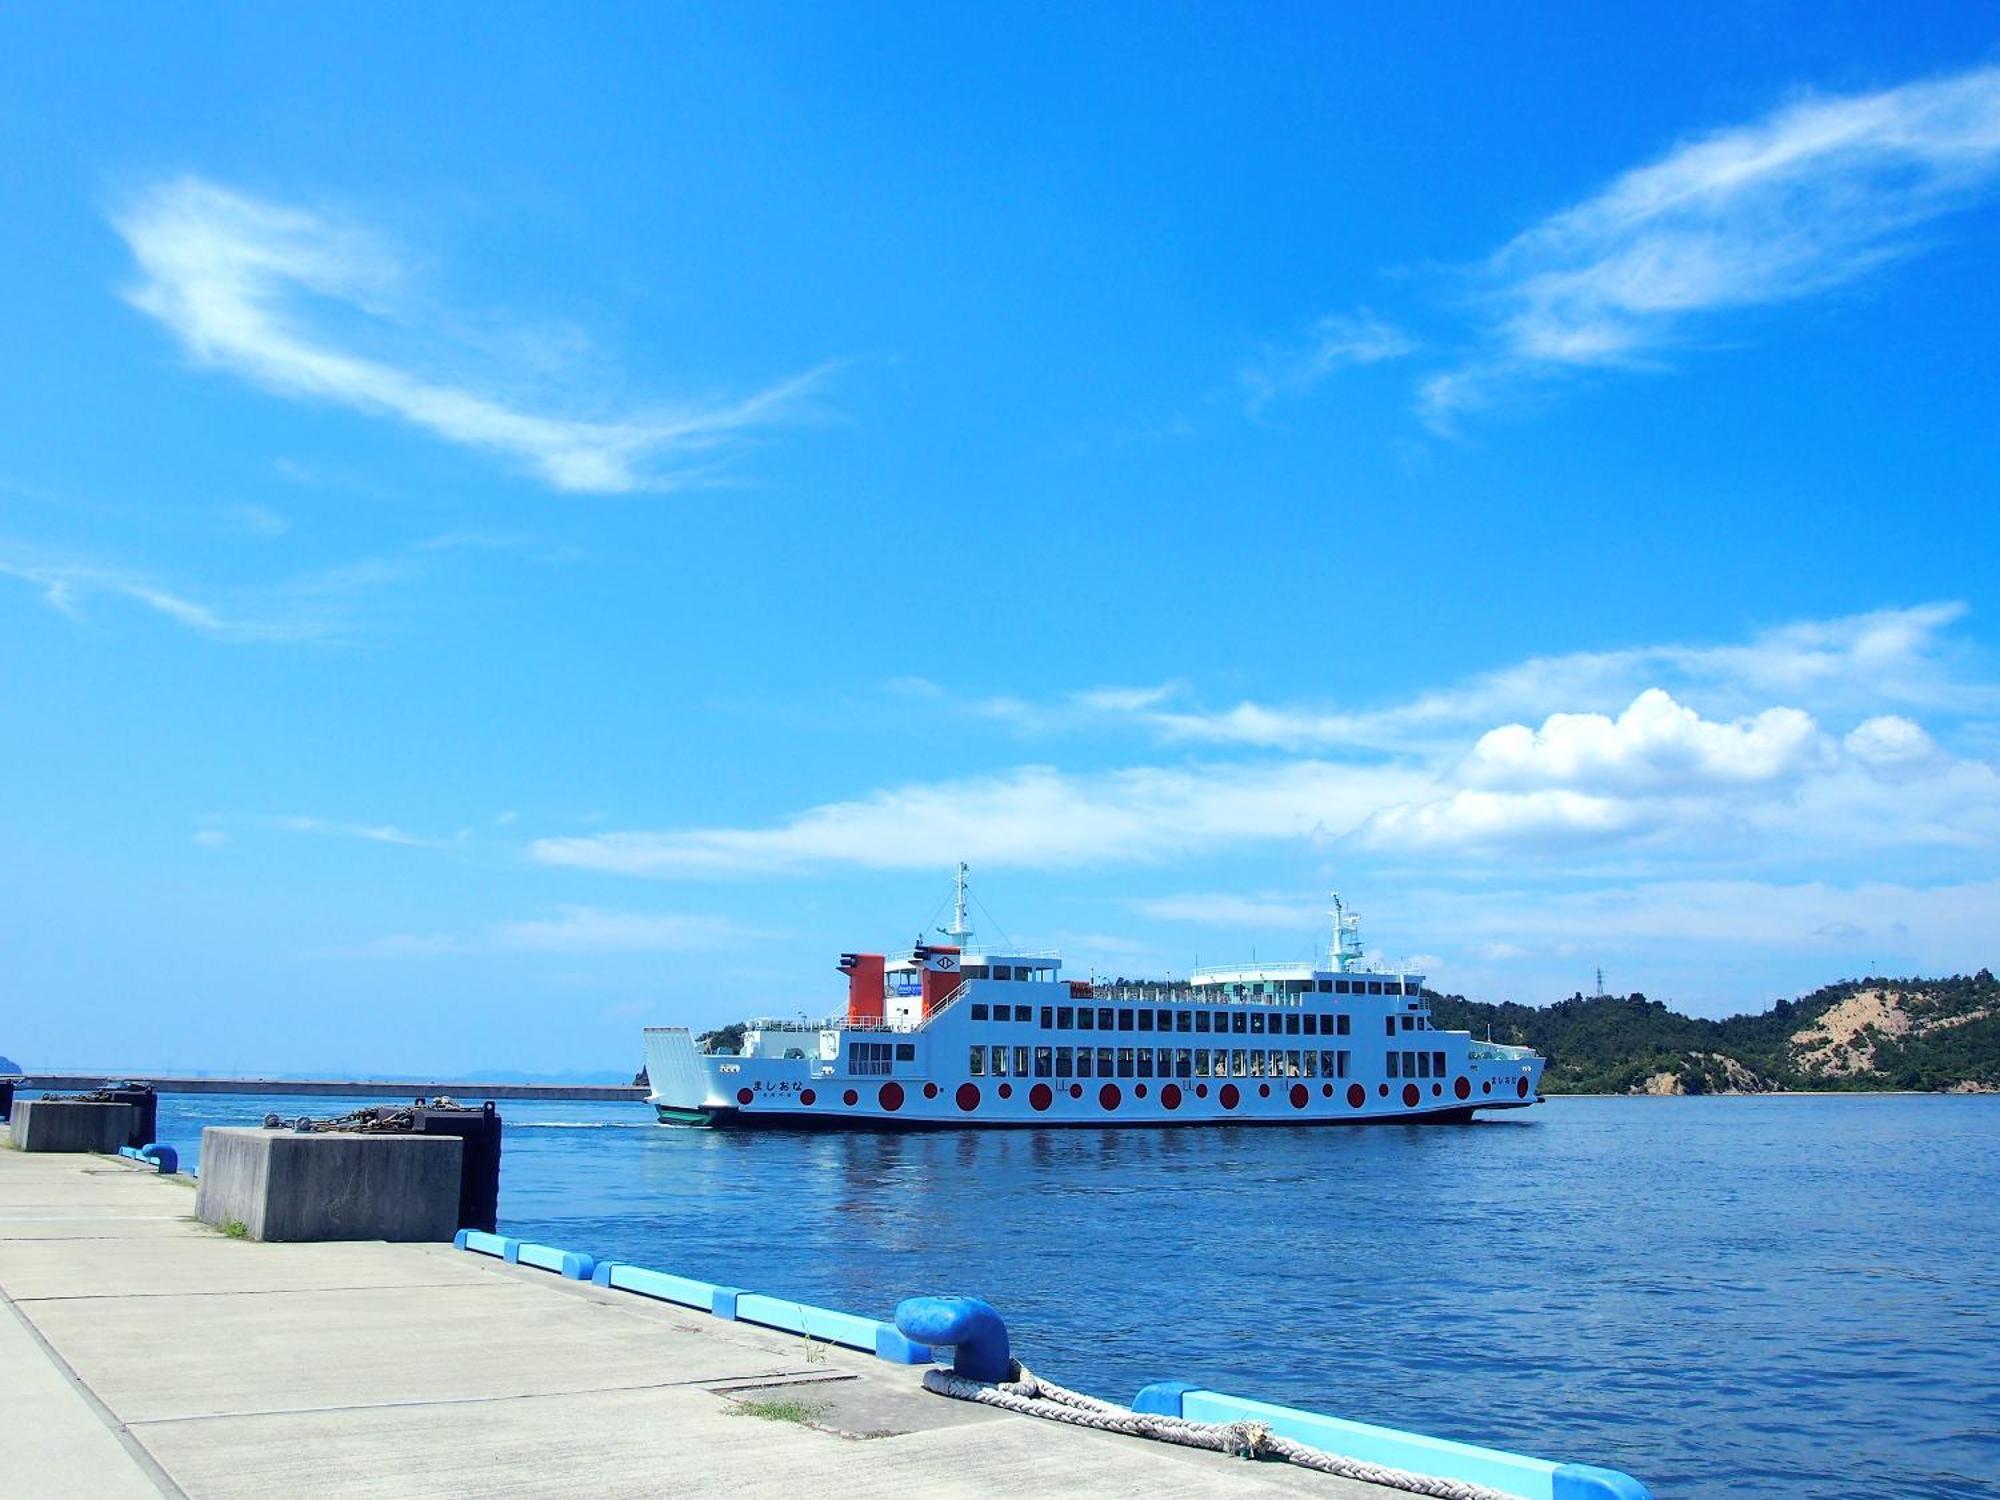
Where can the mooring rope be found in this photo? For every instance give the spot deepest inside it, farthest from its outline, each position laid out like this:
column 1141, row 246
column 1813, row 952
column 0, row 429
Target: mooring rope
column 1030, row 1396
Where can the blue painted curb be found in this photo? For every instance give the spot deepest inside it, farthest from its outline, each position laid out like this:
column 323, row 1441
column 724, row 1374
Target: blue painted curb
column 165, row 1158
column 1440, row 1458
column 569, row 1264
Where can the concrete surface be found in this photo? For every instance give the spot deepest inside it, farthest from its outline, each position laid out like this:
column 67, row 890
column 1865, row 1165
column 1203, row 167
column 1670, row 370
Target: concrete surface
column 142, row 1354
column 69, row 1125
column 283, row 1186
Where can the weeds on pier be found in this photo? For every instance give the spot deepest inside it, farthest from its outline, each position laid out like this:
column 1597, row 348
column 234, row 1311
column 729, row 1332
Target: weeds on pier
column 782, row 1409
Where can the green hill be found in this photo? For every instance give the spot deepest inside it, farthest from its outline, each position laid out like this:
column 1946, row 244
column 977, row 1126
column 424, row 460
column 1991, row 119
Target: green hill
column 1932, row 1034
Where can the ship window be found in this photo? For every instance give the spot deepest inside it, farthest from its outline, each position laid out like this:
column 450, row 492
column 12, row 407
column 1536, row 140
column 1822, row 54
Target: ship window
column 1326, row 1065
column 1083, row 1062
column 1437, row 1065
column 1201, row 1020
column 1048, row 1017
column 864, row 1058
column 1104, row 1022
column 1065, row 1062
column 1423, row 1065
column 978, row 1012
column 978, row 1067
column 1124, row 1020
column 1340, row 1061
column 1325, row 986
column 1103, row 1062
column 1311, row 1027
column 1003, row 1012
column 1291, row 1025
column 1002, row 971
column 1020, row 1062
column 1145, row 1020
column 1164, row 1021
column 1084, row 1017
column 1183, row 1020
column 1341, row 1024
column 1201, row 1062
column 1183, row 1063
column 1145, row 1062
column 1065, row 1017
column 998, row 1065
column 1310, row 1062
column 1257, row 1022
column 1393, row 1062
column 1239, row 1063
column 1239, row 1021
column 1124, row 1062
column 1340, row 986
column 906, row 1052
column 1044, row 1061
column 1374, row 986
column 1407, row 1023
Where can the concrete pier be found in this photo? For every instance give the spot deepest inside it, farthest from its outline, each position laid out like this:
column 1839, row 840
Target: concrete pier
column 142, row 1354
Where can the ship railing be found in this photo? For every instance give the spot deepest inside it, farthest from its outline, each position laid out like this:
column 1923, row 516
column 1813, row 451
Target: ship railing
column 1499, row 1052
column 836, row 1022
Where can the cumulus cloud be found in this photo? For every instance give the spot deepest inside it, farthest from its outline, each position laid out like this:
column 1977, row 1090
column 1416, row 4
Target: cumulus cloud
column 1891, row 745
column 247, row 285
column 1656, row 744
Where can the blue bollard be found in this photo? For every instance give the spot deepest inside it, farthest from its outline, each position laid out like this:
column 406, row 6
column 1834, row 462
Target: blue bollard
column 971, row 1328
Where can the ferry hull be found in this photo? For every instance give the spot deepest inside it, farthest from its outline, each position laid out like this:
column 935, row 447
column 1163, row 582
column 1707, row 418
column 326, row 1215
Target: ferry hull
column 725, row 1117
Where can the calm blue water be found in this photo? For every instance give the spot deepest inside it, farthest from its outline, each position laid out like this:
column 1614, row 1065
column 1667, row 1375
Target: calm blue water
column 1740, row 1296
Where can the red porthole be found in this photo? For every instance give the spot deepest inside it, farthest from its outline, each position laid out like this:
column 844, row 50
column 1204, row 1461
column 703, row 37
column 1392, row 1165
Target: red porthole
column 1040, row 1096
column 1521, row 1088
column 891, row 1097
column 808, row 1098
column 850, row 1098
column 1076, row 1091
column 1139, row 1090
column 1382, row 1089
column 930, row 1091
column 1437, row 1091
column 1486, row 1087
column 1230, row 1097
column 1108, row 1096
column 1299, row 1096
column 1170, row 1096
column 1201, row 1091
column 1263, row 1091
column 968, row 1097
column 1462, row 1087
column 1356, row 1096
column 1006, row 1091
column 744, row 1096
column 1410, row 1096
column 1326, row 1091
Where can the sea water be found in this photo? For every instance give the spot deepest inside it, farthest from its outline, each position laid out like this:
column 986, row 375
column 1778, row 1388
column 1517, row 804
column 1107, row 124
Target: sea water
column 1735, row 1296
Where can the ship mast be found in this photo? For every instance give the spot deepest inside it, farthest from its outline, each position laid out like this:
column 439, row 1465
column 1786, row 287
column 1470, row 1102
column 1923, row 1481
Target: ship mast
column 1346, row 949
column 960, row 931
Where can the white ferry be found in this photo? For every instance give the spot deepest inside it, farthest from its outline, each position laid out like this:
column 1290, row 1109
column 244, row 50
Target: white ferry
column 953, row 1035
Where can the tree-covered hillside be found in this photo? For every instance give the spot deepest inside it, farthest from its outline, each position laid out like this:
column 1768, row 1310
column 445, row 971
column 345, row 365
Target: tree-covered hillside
column 1859, row 1034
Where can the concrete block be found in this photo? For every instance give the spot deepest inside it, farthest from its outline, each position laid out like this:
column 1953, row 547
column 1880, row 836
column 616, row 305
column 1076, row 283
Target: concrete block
column 66, row 1125
column 283, row 1186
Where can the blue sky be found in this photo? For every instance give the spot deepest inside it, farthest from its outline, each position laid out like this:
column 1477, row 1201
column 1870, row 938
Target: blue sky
column 518, row 524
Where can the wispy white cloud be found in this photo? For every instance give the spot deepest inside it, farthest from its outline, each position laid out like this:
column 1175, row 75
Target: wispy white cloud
column 1334, row 343
column 1034, row 817
column 211, row 838
column 310, row 607
column 373, row 833
column 1812, row 196
column 573, row 930
column 245, row 286
column 1889, row 656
